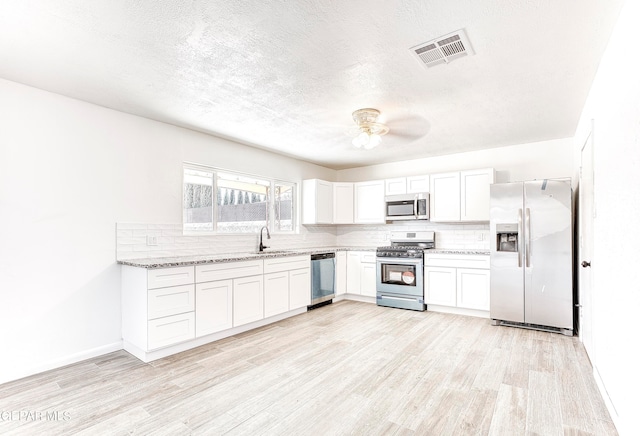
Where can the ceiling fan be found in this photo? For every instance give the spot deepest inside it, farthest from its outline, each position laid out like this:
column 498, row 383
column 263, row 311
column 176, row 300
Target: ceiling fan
column 368, row 131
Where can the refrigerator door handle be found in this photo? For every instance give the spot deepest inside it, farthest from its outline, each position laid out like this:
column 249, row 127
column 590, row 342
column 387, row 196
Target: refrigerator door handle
column 527, row 252
column 520, row 236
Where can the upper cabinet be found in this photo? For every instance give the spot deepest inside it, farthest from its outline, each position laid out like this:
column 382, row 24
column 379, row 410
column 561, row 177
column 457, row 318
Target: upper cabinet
column 474, row 194
column 461, row 196
column 343, row 203
column 369, row 202
column 317, row 202
column 444, row 198
column 406, row 185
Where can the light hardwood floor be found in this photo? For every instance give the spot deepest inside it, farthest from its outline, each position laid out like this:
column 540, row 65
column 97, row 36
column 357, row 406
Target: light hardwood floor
column 348, row 368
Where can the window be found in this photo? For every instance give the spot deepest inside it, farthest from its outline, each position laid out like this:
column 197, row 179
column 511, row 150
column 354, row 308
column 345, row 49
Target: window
column 225, row 202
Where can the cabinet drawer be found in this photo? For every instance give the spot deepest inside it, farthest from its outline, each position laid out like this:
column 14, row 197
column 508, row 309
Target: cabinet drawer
column 228, row 270
column 170, row 301
column 458, row 260
column 165, row 277
column 368, row 257
column 279, row 264
column 170, row 330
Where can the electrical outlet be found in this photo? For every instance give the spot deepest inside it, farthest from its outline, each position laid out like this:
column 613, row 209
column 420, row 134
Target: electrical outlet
column 152, row 240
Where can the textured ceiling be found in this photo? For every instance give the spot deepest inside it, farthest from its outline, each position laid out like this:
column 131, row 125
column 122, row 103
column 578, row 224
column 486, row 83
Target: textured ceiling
column 286, row 76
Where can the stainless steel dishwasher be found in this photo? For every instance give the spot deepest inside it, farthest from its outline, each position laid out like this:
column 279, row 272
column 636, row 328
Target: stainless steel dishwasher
column 323, row 279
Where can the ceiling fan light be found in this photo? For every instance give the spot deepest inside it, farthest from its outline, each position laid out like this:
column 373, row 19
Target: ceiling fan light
column 356, row 142
column 363, row 138
column 374, row 141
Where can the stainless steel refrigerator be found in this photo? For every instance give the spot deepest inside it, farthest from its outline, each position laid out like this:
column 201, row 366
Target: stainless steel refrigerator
column 532, row 255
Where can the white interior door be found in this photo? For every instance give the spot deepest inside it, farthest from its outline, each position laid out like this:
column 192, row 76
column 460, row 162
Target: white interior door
column 586, row 213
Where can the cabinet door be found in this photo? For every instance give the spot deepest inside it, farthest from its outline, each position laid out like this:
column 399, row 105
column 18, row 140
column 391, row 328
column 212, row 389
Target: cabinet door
column 474, row 194
column 416, row 184
column 299, row 288
column 440, row 286
column 353, row 272
column 317, row 202
column 369, row 202
column 343, row 203
column 368, row 279
column 341, row 272
column 276, row 293
column 248, row 300
column 473, row 288
column 395, row 186
column 445, row 197
column 214, row 307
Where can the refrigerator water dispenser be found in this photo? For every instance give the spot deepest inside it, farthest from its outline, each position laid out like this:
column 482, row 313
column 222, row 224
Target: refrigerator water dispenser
column 507, row 237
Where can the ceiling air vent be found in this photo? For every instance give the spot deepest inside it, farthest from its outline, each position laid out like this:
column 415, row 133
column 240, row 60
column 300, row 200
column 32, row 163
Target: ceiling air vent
column 444, row 49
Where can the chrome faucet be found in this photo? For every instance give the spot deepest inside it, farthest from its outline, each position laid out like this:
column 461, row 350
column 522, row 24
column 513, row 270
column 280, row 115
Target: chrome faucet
column 262, row 246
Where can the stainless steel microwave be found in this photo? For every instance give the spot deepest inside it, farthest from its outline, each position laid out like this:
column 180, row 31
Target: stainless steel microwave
column 407, row 207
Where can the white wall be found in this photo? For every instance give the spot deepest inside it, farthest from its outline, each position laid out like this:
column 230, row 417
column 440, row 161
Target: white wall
column 614, row 105
column 538, row 160
column 69, row 171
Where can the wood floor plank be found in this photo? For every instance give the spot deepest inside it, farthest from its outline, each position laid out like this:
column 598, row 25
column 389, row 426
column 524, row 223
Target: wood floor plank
column 347, row 368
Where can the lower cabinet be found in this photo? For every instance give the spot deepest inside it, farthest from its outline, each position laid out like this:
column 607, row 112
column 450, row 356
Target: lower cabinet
column 341, row 272
column 457, row 281
column 299, row 288
column 361, row 273
column 248, row 300
column 276, row 293
column 214, row 309
column 170, row 329
column 165, row 307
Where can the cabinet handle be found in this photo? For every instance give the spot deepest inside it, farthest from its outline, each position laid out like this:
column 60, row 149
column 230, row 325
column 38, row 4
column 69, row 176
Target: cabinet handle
column 585, row 264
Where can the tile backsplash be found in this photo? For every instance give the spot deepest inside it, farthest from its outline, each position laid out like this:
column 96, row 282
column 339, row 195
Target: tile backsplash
column 132, row 238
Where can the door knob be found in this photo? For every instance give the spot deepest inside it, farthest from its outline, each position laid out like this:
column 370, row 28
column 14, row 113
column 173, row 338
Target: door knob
column 585, row 264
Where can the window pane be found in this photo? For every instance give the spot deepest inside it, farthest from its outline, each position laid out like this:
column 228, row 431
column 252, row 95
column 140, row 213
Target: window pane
column 197, row 200
column 242, row 203
column 283, row 207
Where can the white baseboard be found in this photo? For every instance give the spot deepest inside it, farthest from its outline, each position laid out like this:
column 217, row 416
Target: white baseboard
column 58, row 363
column 617, row 421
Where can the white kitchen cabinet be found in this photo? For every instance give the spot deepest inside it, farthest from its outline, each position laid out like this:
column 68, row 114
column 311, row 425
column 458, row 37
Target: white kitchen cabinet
column 170, row 301
column 444, row 198
column 214, row 308
column 276, row 293
column 170, row 330
column 317, row 202
column 369, row 202
column 353, row 272
column 361, row 273
column 343, row 207
column 461, row 196
column 157, row 306
column 440, row 286
column 417, row 184
column 299, row 288
column 368, row 279
column 457, row 280
column 287, row 284
column 474, row 194
column 407, row 185
column 341, row 272
column 248, row 300
column 395, row 186
column 472, row 286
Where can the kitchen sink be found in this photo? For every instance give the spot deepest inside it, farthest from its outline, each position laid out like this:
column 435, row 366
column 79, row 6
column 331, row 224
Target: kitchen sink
column 274, row 252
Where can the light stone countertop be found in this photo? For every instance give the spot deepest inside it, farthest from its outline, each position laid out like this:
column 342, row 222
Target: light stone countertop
column 166, row 262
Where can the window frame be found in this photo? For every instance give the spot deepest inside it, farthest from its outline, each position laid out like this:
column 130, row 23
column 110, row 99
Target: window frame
column 295, row 213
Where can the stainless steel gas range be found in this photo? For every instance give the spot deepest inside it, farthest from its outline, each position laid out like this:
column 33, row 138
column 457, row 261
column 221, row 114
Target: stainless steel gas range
column 400, row 270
